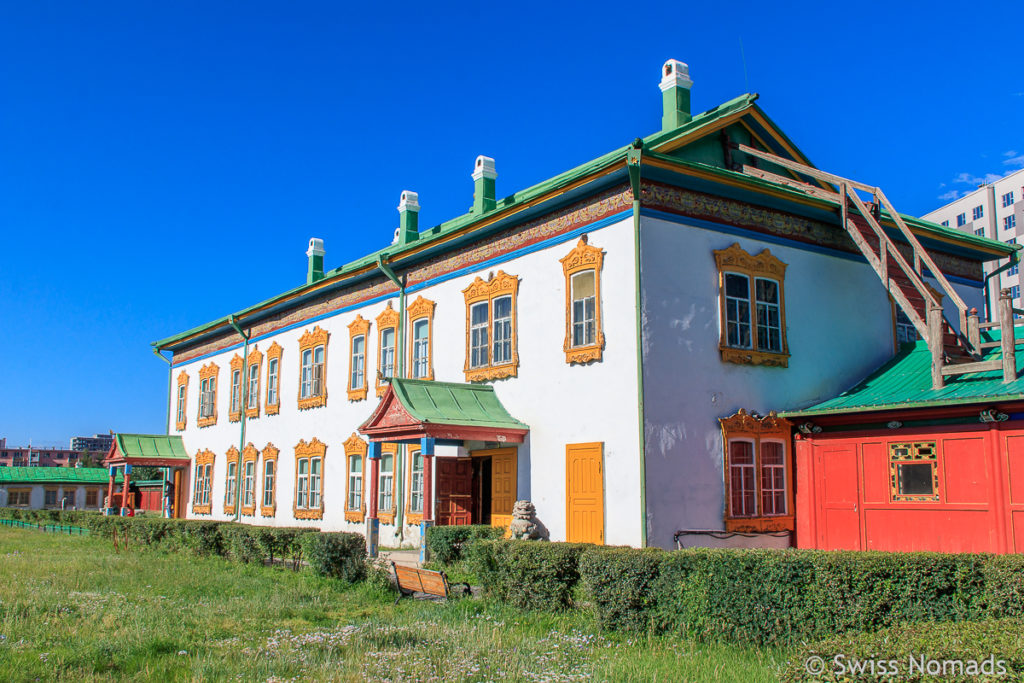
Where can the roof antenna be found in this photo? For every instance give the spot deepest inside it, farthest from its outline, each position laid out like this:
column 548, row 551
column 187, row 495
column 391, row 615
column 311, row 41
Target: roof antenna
column 743, row 58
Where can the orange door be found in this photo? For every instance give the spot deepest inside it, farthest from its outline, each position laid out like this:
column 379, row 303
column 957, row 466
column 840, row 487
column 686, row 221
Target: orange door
column 584, row 489
column 503, row 486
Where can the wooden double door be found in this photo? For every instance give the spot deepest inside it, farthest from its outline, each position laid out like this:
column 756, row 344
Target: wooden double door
column 480, row 489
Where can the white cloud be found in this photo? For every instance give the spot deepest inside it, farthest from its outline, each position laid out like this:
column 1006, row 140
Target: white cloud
column 1017, row 161
column 1010, row 153
column 949, row 196
column 969, row 179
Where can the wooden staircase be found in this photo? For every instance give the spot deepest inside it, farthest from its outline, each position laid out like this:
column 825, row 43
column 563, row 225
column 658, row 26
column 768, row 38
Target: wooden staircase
column 901, row 268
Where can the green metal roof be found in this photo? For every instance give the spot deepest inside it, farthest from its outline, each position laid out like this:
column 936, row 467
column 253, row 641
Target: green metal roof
column 451, row 403
column 151, row 446
column 906, row 382
column 55, row 475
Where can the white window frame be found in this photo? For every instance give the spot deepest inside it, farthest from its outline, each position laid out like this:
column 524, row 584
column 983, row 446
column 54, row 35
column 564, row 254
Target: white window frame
column 588, row 322
column 421, row 349
column 387, row 352
column 269, row 474
column 355, row 482
column 386, row 483
column 358, row 365
column 272, row 388
column 253, row 400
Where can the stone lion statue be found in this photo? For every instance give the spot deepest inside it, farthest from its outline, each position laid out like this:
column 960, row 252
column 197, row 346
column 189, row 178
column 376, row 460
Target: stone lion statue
column 523, row 525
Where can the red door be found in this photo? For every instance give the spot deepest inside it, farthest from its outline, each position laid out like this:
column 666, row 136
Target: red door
column 454, row 491
column 839, row 516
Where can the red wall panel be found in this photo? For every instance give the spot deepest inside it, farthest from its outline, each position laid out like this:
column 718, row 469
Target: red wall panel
column 1015, row 468
column 944, row 531
column 875, row 467
column 965, row 470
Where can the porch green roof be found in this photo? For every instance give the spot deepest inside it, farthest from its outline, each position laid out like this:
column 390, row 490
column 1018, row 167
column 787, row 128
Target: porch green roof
column 55, row 475
column 906, row 382
column 151, row 446
column 451, row 403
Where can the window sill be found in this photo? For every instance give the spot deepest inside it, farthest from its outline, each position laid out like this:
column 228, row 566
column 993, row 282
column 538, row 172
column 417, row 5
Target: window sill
column 313, row 402
column 229, row 509
column 235, row 417
column 413, row 517
column 386, row 517
column 179, row 426
column 273, row 409
column 492, row 372
column 202, row 509
column 268, row 511
column 207, row 421
column 382, row 389
column 354, row 516
column 583, row 354
column 249, row 511
column 357, row 394
column 752, row 357
column 898, row 498
column 760, row 524
column 252, row 412
column 305, row 513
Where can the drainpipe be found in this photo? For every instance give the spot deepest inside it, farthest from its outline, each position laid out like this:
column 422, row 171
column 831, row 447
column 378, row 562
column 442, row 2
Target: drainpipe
column 170, row 372
column 1014, row 260
column 243, row 388
column 399, row 372
column 633, row 155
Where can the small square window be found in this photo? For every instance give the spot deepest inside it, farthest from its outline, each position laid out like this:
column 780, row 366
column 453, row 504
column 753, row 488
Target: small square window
column 945, row 223
column 980, row 232
column 1008, row 199
column 977, row 212
column 913, row 472
column 1009, row 222
column 1015, row 292
column 915, row 479
column 961, row 220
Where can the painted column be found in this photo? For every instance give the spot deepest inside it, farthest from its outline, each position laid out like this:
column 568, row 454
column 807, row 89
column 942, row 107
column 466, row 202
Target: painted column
column 427, row 451
column 124, row 495
column 372, row 523
column 109, row 508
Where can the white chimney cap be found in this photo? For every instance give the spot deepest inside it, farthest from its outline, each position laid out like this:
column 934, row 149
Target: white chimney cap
column 316, row 246
column 410, row 201
column 675, row 74
column 484, row 168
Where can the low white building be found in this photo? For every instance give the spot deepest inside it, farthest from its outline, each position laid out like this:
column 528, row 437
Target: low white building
column 615, row 313
column 53, row 488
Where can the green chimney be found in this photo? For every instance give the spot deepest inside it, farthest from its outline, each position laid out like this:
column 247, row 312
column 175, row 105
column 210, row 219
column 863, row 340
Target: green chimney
column 316, row 261
column 409, row 217
column 675, row 94
column 484, row 199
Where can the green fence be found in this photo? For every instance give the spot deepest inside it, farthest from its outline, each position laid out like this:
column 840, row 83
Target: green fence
column 51, row 528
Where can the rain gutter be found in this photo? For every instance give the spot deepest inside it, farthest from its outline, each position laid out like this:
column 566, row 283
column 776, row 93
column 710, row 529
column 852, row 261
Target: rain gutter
column 243, row 381
column 633, row 157
column 399, row 372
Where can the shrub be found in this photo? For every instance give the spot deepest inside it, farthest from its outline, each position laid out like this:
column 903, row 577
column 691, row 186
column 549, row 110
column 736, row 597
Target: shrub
column 240, row 543
column 529, row 574
column 280, row 542
column 447, row 543
column 620, row 583
column 341, row 555
column 1003, row 591
column 850, row 657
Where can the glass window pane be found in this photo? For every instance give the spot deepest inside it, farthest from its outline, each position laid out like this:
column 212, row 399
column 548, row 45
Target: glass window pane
column 737, row 286
column 916, row 479
column 583, row 285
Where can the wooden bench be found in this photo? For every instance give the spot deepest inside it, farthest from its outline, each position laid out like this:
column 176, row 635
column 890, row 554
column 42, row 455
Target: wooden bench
column 412, row 580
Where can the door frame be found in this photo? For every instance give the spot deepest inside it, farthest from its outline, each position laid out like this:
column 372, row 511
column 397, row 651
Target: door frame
column 502, row 450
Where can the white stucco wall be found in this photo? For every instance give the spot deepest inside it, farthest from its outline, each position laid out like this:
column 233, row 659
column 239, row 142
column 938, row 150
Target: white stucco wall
column 839, row 329
column 562, row 404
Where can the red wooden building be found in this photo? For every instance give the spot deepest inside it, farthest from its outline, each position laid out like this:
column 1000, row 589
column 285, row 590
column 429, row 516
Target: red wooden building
column 896, row 464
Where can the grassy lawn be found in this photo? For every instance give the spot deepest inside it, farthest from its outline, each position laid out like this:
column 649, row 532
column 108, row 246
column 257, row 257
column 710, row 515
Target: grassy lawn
column 70, row 608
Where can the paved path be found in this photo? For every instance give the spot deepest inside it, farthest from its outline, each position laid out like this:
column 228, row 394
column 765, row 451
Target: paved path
column 410, row 558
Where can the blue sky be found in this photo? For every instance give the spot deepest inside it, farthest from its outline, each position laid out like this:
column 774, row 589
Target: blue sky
column 163, row 164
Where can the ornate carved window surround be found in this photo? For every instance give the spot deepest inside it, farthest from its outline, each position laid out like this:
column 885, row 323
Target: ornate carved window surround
column 274, row 353
column 269, row 508
column 231, row 483
column 358, row 327
column 743, row 427
column 237, row 395
column 181, row 414
column 355, row 447
column 410, row 516
column 255, row 360
column 387, row 515
column 913, row 454
column 208, row 377
column 203, row 482
column 249, row 486
column 764, row 266
column 388, row 319
column 421, row 309
column 311, row 452
column 584, row 257
column 486, row 292
column 309, row 341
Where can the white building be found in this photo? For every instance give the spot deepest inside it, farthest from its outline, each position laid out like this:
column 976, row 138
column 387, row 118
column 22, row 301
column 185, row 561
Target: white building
column 995, row 210
column 616, row 313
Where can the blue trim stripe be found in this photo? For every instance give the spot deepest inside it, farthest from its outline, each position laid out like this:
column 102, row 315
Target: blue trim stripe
column 775, row 239
column 483, row 265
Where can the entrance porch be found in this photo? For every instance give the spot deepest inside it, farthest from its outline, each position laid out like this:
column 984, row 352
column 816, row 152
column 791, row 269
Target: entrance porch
column 477, row 489
column 146, row 450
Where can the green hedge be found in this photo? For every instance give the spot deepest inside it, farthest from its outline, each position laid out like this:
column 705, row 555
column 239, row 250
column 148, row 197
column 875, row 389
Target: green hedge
column 447, row 543
column 340, row 555
column 784, row 596
column 528, row 574
column 72, row 517
column 946, row 650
